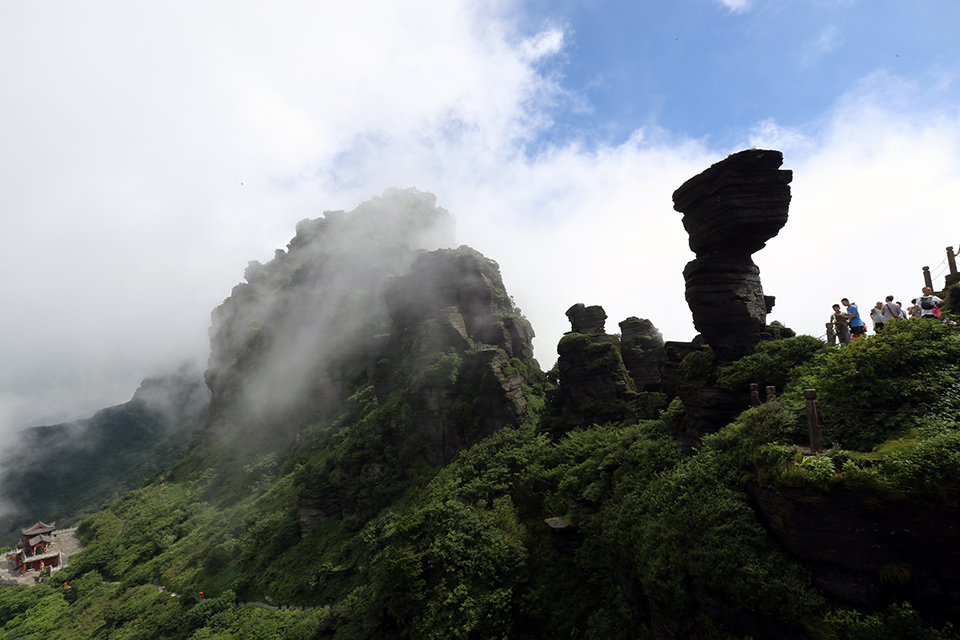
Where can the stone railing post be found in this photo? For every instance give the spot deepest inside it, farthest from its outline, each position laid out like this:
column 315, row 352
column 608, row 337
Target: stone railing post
column 813, row 420
column 771, row 393
column 927, row 280
column 831, row 335
column 755, row 394
column 953, row 277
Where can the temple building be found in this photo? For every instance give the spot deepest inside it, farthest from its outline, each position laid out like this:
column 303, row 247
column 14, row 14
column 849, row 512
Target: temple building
column 37, row 551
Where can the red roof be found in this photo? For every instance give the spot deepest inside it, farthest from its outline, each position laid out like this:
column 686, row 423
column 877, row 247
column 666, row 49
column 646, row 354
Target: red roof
column 39, row 528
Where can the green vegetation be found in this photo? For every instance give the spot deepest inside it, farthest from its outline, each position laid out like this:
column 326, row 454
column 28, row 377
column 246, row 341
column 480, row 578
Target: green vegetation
column 651, row 538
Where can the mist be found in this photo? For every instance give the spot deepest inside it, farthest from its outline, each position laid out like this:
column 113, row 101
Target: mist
column 58, row 471
column 288, row 343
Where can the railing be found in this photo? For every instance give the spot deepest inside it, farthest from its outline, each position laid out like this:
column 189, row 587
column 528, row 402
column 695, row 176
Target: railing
column 950, row 263
column 813, row 412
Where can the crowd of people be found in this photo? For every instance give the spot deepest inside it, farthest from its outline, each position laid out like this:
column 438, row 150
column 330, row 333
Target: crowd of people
column 846, row 324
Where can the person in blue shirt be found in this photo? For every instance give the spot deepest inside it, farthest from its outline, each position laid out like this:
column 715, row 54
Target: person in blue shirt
column 857, row 328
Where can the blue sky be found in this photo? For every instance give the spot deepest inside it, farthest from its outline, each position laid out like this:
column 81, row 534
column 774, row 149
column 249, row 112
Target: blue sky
column 702, row 69
column 149, row 150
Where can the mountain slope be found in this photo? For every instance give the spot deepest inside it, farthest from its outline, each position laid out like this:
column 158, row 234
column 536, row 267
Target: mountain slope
column 62, row 472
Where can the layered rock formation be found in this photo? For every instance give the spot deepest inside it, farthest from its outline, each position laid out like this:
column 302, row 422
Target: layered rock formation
column 730, row 211
column 584, row 319
column 460, row 347
column 598, row 372
column 642, row 348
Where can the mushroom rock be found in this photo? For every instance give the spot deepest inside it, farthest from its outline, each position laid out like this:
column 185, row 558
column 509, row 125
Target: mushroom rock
column 730, row 211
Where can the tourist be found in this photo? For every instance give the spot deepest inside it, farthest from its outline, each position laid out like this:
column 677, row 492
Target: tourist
column 891, row 310
column 841, row 325
column 857, row 328
column 876, row 315
column 928, row 305
column 903, row 312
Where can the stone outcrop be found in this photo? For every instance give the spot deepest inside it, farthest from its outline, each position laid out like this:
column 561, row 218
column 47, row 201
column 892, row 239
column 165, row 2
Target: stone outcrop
column 641, row 345
column 867, row 551
column 365, row 333
column 594, row 383
column 730, row 211
column 584, row 319
column 453, row 335
column 598, row 372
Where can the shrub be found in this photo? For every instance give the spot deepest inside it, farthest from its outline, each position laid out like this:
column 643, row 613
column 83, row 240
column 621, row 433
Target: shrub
column 773, row 363
column 882, row 386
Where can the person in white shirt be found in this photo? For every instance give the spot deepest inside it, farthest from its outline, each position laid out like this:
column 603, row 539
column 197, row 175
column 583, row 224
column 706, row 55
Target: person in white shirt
column 926, row 303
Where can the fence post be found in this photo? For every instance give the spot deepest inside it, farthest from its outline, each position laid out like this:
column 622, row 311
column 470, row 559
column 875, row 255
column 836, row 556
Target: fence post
column 755, row 394
column 953, row 277
column 813, row 420
column 927, row 280
column 771, row 393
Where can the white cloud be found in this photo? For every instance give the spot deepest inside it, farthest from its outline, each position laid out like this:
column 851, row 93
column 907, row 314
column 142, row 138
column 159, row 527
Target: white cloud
column 736, row 6
column 873, row 203
column 829, row 40
column 769, row 135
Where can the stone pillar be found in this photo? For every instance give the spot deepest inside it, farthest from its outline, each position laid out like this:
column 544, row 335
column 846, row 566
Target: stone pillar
column 730, row 211
column 953, row 277
column 927, row 280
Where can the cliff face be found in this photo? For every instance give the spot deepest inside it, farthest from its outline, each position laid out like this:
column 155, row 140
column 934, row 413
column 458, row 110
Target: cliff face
column 363, row 316
column 287, row 345
column 453, row 334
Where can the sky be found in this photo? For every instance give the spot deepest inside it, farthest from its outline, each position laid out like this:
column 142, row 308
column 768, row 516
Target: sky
column 150, row 150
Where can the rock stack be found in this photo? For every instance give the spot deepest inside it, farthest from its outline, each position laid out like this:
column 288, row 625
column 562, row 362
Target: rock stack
column 641, row 345
column 730, row 211
column 589, row 320
column 595, row 387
